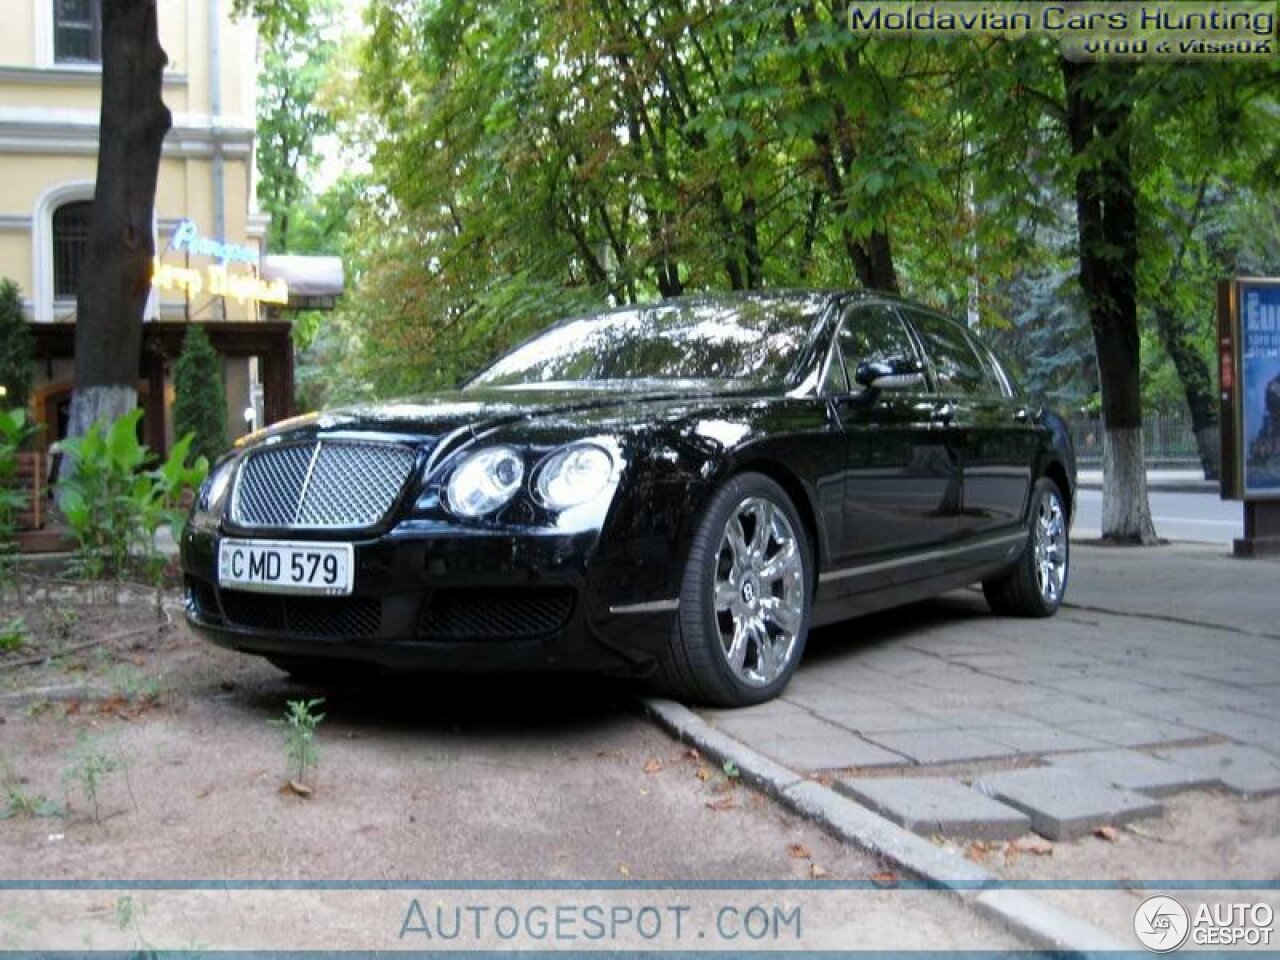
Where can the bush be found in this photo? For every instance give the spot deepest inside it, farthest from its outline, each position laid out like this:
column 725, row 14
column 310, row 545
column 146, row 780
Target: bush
column 14, row 431
column 200, row 401
column 17, row 347
column 114, row 505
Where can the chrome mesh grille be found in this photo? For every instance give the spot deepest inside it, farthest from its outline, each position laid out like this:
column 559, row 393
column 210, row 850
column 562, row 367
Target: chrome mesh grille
column 330, row 483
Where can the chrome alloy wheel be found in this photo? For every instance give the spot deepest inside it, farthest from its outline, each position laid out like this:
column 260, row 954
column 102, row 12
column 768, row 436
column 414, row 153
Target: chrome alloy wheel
column 1050, row 543
column 759, row 591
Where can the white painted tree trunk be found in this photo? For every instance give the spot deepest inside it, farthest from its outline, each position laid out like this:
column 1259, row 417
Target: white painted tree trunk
column 90, row 405
column 1126, row 511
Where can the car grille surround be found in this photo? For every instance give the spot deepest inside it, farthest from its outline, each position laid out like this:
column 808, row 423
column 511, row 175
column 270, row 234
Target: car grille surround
column 320, row 485
column 470, row 613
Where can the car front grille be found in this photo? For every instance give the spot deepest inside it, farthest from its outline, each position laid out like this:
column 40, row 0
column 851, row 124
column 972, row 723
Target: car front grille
column 303, row 616
column 471, row 614
column 325, row 484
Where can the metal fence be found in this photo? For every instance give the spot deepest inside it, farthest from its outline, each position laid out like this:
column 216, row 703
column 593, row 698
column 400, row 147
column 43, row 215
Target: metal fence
column 1165, row 437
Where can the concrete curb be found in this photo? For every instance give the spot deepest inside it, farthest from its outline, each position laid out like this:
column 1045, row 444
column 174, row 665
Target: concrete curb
column 1043, row 925
column 1164, row 487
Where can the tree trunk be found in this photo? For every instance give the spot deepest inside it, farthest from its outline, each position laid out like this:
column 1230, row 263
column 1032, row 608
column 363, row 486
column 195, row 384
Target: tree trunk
column 1198, row 385
column 117, row 271
column 1098, row 111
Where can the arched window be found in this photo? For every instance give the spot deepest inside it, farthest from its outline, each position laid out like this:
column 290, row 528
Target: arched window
column 70, row 246
column 77, row 31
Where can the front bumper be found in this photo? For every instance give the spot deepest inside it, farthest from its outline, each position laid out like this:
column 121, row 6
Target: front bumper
column 428, row 597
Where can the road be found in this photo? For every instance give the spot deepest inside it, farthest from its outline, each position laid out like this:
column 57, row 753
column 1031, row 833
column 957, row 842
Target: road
column 1198, row 517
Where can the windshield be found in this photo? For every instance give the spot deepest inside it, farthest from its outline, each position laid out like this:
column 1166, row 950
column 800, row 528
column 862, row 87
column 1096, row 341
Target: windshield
column 752, row 342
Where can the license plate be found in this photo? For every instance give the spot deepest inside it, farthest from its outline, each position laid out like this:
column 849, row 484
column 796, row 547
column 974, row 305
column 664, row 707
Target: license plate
column 280, row 566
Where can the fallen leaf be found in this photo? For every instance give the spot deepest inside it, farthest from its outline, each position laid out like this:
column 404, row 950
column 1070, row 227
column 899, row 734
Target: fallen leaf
column 1109, row 834
column 977, row 852
column 1035, row 845
column 652, row 765
column 301, row 789
column 885, row 878
column 724, row 803
column 818, row 872
column 693, row 754
column 703, row 773
column 622, row 869
column 799, row 851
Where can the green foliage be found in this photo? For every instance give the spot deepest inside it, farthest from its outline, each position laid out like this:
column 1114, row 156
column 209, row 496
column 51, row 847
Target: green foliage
column 13, row 634
column 200, row 400
column 299, row 724
column 14, row 431
column 114, row 504
column 17, row 348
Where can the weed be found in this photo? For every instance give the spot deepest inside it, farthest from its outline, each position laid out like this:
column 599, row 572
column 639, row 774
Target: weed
column 90, row 766
column 13, row 634
column 731, row 770
column 134, row 684
column 19, row 803
column 299, row 724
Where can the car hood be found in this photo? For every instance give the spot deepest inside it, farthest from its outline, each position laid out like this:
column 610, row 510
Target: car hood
column 435, row 415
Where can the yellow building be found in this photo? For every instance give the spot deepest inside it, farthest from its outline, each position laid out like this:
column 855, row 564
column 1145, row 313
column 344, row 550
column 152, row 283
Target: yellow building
column 50, row 78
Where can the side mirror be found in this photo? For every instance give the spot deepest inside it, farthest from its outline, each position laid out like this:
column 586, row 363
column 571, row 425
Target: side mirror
column 890, row 373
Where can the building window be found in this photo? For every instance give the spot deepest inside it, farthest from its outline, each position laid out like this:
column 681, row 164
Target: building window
column 70, row 246
column 77, row 31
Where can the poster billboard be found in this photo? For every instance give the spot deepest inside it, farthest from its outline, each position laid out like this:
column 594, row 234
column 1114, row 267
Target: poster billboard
column 1260, row 387
column 1249, row 336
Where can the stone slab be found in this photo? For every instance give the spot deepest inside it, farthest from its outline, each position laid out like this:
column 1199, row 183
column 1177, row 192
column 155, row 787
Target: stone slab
column 1241, row 769
column 1138, row 732
column 835, row 750
column 1131, row 770
column 942, row 746
column 937, row 806
column 1066, row 804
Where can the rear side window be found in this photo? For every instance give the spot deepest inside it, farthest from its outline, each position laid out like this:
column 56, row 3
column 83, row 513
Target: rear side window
column 956, row 363
column 871, row 332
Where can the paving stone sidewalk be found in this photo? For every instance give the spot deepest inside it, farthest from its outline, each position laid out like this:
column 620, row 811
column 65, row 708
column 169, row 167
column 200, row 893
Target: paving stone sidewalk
column 1161, row 674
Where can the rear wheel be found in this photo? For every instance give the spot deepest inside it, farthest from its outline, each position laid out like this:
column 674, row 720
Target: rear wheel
column 1036, row 584
column 744, row 605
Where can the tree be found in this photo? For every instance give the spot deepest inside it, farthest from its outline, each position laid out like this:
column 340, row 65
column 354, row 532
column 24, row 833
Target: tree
column 17, row 348
column 200, row 399
column 117, row 271
column 290, row 117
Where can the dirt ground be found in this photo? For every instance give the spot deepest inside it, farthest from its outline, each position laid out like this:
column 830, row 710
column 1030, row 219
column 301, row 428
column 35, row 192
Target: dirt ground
column 473, row 778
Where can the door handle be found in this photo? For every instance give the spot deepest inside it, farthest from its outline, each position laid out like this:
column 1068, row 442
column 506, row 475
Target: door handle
column 944, row 412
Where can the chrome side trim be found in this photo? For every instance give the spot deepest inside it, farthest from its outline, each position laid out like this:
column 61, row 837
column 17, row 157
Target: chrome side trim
column 653, row 606
column 939, row 554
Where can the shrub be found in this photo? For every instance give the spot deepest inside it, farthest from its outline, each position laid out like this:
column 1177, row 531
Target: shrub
column 114, row 505
column 200, row 401
column 17, row 347
column 14, row 431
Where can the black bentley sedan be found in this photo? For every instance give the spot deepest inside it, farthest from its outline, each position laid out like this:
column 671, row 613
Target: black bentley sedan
column 677, row 491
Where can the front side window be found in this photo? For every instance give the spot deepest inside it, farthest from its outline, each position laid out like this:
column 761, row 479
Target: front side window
column 77, row 31
column 70, row 246
column 870, row 334
column 957, row 366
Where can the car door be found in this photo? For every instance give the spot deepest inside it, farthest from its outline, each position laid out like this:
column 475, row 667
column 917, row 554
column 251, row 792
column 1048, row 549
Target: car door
column 991, row 431
column 901, row 491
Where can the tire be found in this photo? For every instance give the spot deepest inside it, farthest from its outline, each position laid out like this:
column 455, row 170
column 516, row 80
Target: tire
column 1035, row 585
column 744, row 610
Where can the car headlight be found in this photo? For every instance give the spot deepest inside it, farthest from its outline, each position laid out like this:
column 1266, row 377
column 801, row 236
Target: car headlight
column 484, row 481
column 213, row 491
column 574, row 475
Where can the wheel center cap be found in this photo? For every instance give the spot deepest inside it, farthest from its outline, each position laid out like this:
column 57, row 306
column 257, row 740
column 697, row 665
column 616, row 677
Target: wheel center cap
column 749, row 591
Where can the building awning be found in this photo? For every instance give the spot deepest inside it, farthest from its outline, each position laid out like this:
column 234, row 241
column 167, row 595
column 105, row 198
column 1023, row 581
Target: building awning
column 315, row 283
